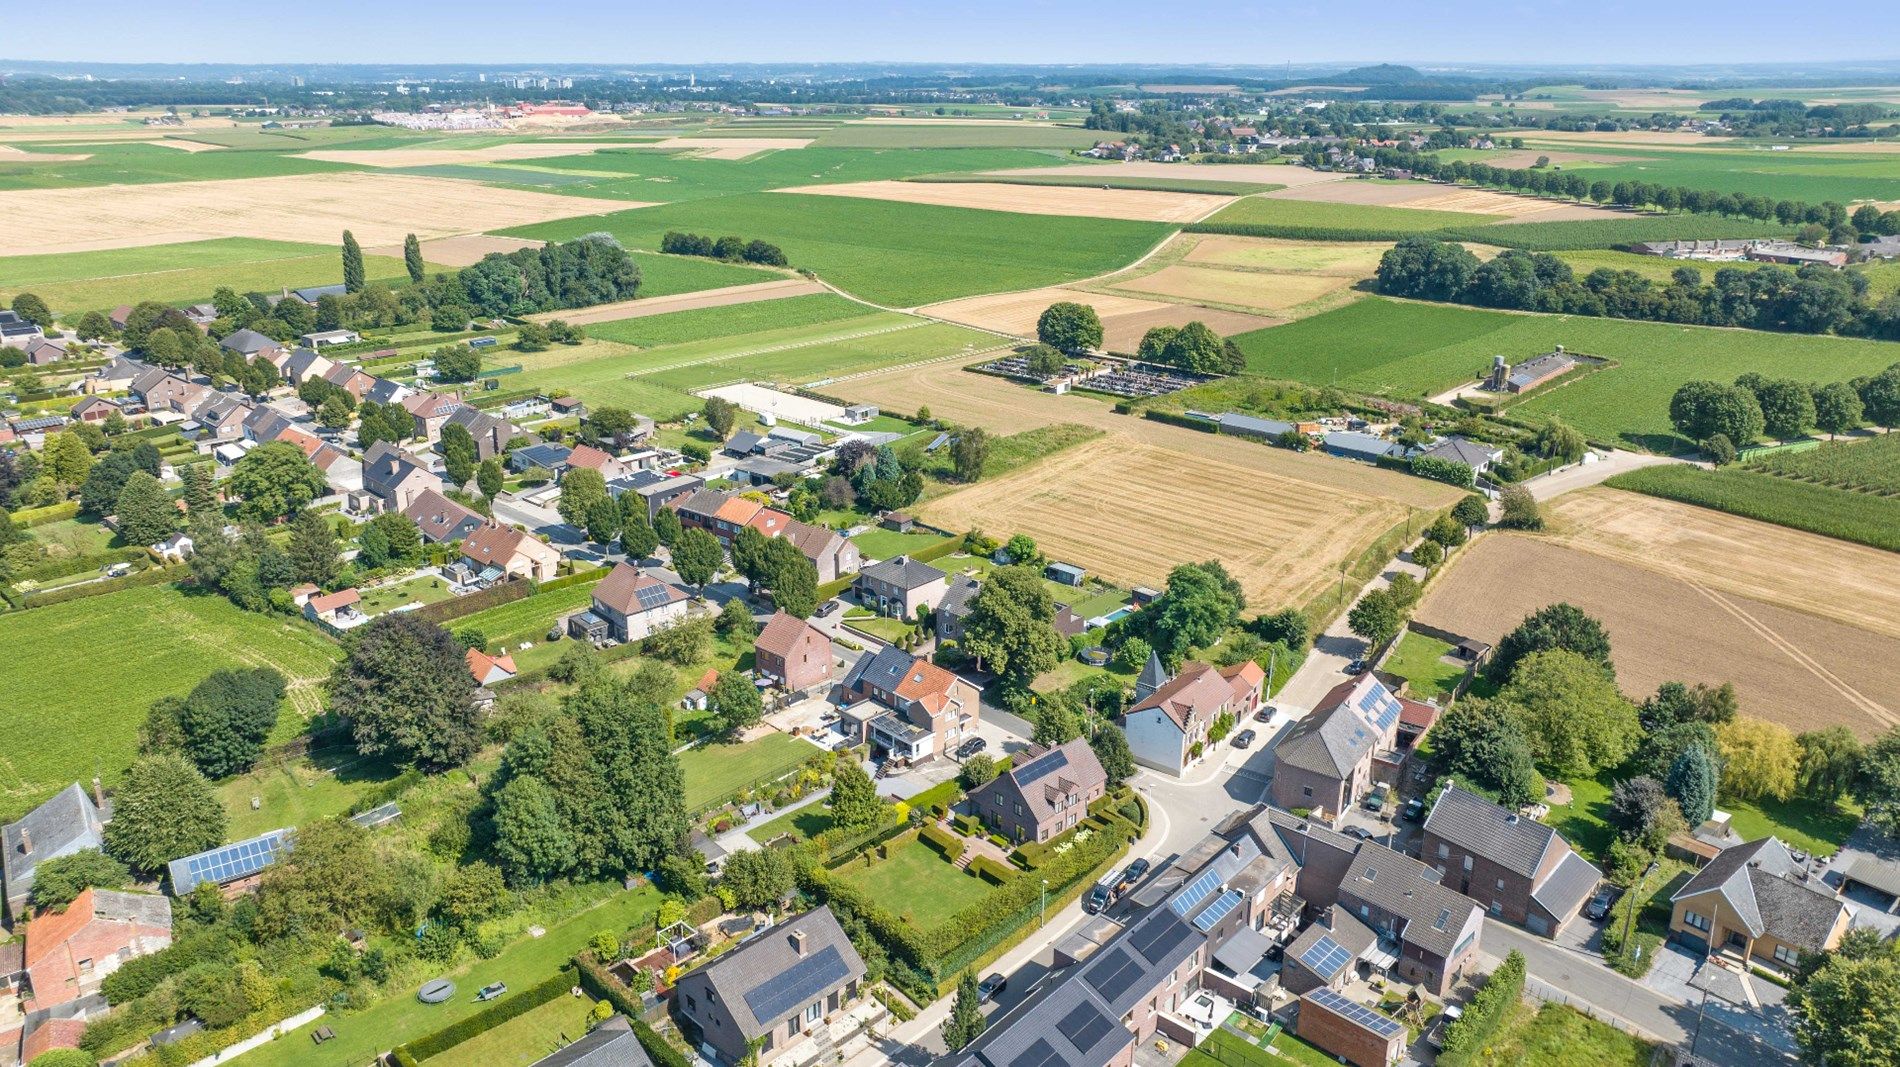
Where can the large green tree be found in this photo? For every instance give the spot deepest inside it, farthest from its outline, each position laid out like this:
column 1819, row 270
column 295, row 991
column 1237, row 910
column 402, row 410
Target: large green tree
column 965, row 1022
column 315, row 552
column 459, row 455
column 406, row 690
column 57, row 881
column 1009, row 631
column 147, row 513
column 854, row 802
column 412, row 258
column 162, row 810
column 224, row 721
column 1693, row 780
column 758, row 878
column 1482, row 742
column 969, row 452
column 274, row 480
column 1377, row 617
column 1847, row 1014
column 1111, row 749
column 1554, row 626
column 735, row 702
column 1069, row 327
column 582, row 490
column 1830, row 762
column 1702, row 409
column 697, row 557
column 1837, row 408
column 353, row 276
column 1201, row 603
column 1576, row 720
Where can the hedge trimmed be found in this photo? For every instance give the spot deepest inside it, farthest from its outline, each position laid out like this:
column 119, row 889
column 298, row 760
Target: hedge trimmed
column 1451, row 472
column 1173, row 418
column 152, row 576
column 29, row 517
column 587, row 577
column 1485, row 1013
column 494, row 596
column 60, row 568
column 595, row 980
column 943, row 841
column 488, row 1018
column 991, row 871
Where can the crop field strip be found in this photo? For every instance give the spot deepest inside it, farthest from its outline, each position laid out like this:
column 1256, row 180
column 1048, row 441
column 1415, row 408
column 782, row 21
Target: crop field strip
column 1860, row 517
column 1143, row 205
column 1867, row 466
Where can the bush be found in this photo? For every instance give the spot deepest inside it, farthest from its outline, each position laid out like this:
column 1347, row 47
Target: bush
column 1443, row 470
column 494, row 1015
column 943, row 841
column 1487, row 1011
column 596, row 982
column 991, row 871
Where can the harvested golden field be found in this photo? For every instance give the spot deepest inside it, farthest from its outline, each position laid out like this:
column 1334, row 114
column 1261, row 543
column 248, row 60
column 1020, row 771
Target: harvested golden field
column 1126, row 510
column 1353, row 259
column 461, row 251
column 1281, row 278
column 1622, row 137
column 1801, row 670
column 1264, row 174
column 1124, row 318
column 1253, row 289
column 905, row 120
column 1513, row 208
column 1359, row 191
column 1140, row 205
column 428, row 157
column 379, row 208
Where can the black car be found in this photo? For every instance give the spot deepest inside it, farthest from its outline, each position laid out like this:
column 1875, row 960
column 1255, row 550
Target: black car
column 1243, row 738
column 1136, row 872
column 971, row 747
column 1100, row 897
column 1599, row 907
column 987, row 989
column 1413, row 809
column 1265, row 714
column 1356, row 666
column 1359, row 832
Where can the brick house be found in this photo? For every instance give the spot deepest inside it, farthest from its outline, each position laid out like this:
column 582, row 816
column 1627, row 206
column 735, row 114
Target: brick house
column 898, row 586
column 430, row 411
column 906, row 707
column 68, row 954
column 1170, row 716
column 832, row 553
column 1045, row 793
column 635, row 604
column 1754, row 902
column 793, row 653
column 1333, row 756
column 510, row 551
column 772, row 990
column 70, row 821
column 395, row 478
column 1362, row 1036
column 440, row 519
column 1522, row 871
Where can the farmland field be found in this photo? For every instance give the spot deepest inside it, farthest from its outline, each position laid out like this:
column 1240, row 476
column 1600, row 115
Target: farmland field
column 1273, row 212
column 1125, row 317
column 1851, row 516
column 130, row 648
column 1868, row 466
column 954, row 135
column 682, row 326
column 1104, row 178
column 1410, row 350
column 1782, row 175
column 662, row 275
column 1687, row 622
column 896, row 254
column 1611, row 231
column 1144, row 205
column 146, row 164
column 1287, row 279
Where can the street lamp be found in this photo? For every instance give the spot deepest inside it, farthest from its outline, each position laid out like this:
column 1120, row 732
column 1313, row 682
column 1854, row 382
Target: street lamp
column 1045, row 904
column 1629, row 918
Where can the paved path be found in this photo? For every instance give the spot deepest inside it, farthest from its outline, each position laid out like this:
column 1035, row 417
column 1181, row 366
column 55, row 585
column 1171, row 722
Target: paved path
column 1583, row 475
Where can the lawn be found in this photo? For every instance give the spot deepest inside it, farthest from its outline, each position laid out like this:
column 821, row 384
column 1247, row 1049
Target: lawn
column 400, row 1017
column 1420, row 661
column 422, row 589
column 883, row 544
column 1318, row 215
column 327, row 783
column 80, row 676
column 1553, row 1035
column 1814, row 826
column 881, row 626
column 916, row 883
column 527, row 619
column 1408, row 350
column 716, row 770
column 892, row 253
column 73, row 537
column 808, row 821
column 524, row 1039
column 1234, row 1051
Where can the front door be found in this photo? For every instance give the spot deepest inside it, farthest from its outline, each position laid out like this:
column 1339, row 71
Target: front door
column 1737, row 942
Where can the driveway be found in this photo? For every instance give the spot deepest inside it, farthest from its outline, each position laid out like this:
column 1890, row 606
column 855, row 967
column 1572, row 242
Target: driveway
column 1583, row 475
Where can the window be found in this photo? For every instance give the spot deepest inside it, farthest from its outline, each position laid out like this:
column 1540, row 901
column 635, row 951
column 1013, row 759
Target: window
column 1496, row 909
column 1789, row 956
column 1500, row 885
column 812, row 1013
column 691, row 1004
column 1444, row 850
column 1467, row 864
column 1306, row 790
column 1698, row 921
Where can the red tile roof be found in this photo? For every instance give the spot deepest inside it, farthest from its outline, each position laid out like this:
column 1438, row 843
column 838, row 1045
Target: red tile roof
column 481, row 663
column 342, row 598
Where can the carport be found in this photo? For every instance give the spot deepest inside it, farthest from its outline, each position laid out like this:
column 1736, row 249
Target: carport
column 1877, row 876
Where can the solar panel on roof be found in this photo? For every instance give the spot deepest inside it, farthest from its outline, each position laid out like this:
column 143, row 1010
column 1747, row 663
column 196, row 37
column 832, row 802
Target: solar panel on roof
column 1159, row 936
column 1217, row 911
column 1325, row 957
column 1195, row 893
column 1040, row 1053
column 228, row 863
column 1084, row 1026
column 652, row 596
column 1113, row 975
column 1383, row 1025
column 1042, row 767
column 1380, row 707
column 801, row 983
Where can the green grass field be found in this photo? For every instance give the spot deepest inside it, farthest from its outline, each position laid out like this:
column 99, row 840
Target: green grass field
column 1266, row 211
column 662, row 275
column 884, row 544
column 1420, row 661
column 1555, row 1035
column 679, row 327
column 891, row 253
column 1851, row 516
column 1810, row 176
column 953, row 135
column 716, row 770
column 649, row 174
column 917, row 884
column 524, row 1039
column 1804, row 823
column 143, row 164
column 1410, row 350
column 527, row 619
column 809, row 821
column 1092, row 178
column 81, row 675
column 324, row 785
column 182, row 273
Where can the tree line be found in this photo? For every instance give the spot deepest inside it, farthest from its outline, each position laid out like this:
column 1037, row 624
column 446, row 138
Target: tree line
column 1809, row 299
column 1723, row 417
column 731, row 249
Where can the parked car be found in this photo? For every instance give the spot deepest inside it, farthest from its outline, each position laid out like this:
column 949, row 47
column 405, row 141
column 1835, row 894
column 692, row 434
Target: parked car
column 987, row 989
column 1101, row 895
column 1135, row 872
column 827, row 608
column 1413, row 809
column 1243, row 738
column 1356, row 666
column 1375, row 801
column 1266, row 713
column 1599, row 907
column 1359, row 832
column 971, row 747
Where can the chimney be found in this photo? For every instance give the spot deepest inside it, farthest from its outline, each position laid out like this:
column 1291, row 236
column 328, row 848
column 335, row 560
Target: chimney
column 798, row 942
column 26, row 842
column 1511, row 818
column 98, row 792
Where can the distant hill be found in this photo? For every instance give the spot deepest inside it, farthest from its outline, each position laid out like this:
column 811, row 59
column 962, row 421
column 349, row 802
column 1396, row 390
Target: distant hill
column 1382, row 74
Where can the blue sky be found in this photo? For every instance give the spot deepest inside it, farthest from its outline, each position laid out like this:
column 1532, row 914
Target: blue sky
column 1017, row 31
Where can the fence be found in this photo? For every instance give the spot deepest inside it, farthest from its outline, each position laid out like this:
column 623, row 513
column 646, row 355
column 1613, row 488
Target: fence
column 269, row 1034
column 1550, row 994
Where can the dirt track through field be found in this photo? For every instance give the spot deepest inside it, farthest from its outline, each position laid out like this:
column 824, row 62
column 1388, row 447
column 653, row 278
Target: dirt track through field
column 1665, row 624
column 1131, row 510
column 711, row 298
column 1140, row 205
column 378, row 208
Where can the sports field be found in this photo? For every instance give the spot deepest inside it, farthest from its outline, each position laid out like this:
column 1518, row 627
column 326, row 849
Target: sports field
column 1690, row 618
column 79, row 677
column 900, row 255
column 1408, row 350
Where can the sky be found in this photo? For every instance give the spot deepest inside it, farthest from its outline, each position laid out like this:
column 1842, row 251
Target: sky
column 949, row 31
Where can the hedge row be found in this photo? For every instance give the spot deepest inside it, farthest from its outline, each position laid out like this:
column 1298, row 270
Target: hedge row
column 1173, row 418
column 598, row 983
column 587, row 577
column 153, row 576
column 991, row 871
column 65, row 565
column 28, row 517
column 1449, row 471
column 1485, row 1013
column 943, row 841
column 488, row 1018
column 494, row 596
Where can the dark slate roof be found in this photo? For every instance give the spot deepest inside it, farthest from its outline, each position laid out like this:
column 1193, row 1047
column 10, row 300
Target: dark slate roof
column 1248, row 424
column 1490, row 830
column 66, row 823
column 743, row 443
column 1799, row 913
column 1340, row 732
column 1727, row 874
column 310, row 294
column 1564, row 891
column 1360, row 444
column 956, row 599
column 551, row 456
column 1770, row 891
column 611, row 1044
column 1460, row 450
column 885, row 669
column 1064, row 1024
column 903, row 572
column 765, row 980
column 384, row 391
column 247, row 341
column 1401, row 885
column 1039, row 782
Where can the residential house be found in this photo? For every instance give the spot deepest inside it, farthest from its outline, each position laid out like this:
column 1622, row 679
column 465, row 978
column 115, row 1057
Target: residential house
column 202, row 315
column 611, row 1044
column 68, row 822
column 1171, row 717
column 509, row 552
column 587, row 457
column 1328, row 953
column 1360, row 1035
column 1758, row 905
column 440, row 519
column 958, row 597
column 548, row 457
column 116, row 375
column 247, row 343
column 336, row 611
column 570, row 407
column 721, row 514
column 1340, row 750
column 930, row 710
column 341, row 472
column 305, row 364
column 69, row 953
column 395, row 478
column 634, row 604
column 235, row 869
column 349, row 379
column 120, row 316
column 311, row 294
column 759, row 999
column 431, row 411
column 898, row 586
column 792, row 653
column 325, row 338
column 1474, row 454
column 832, row 553
column 386, row 391
column 1043, row 794
column 490, row 433
column 1523, row 871
column 40, row 352
column 657, row 489
column 17, row 331
column 93, row 409
column 490, row 670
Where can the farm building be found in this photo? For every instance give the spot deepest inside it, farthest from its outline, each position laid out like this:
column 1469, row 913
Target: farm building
column 233, row 868
column 1251, row 426
column 325, row 338
column 1347, row 444
column 1366, row 1038
column 1528, row 375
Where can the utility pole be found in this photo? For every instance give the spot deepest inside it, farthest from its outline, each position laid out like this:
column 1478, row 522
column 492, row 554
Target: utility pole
column 1045, row 904
column 1629, row 918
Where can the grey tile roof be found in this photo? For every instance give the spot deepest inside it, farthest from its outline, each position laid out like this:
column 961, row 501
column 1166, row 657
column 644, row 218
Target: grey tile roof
column 1433, row 914
column 956, row 599
column 756, row 967
column 1727, row 874
column 1490, row 830
column 1564, row 891
column 1040, row 782
column 1252, row 426
column 66, row 823
column 1360, row 444
column 247, row 341
column 611, row 1044
column 1799, row 913
column 885, row 669
column 1460, row 450
column 1336, row 736
column 903, row 572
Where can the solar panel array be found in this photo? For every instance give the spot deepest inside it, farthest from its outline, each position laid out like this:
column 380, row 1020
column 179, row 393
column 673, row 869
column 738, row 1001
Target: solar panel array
column 1383, row 1025
column 229, row 863
column 1325, row 957
column 1039, row 1054
column 1196, row 892
column 652, row 596
column 1085, row 1025
column 799, row 984
column 1379, row 706
column 1042, row 767
column 1115, row 972
column 1159, row 936
column 1217, row 911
